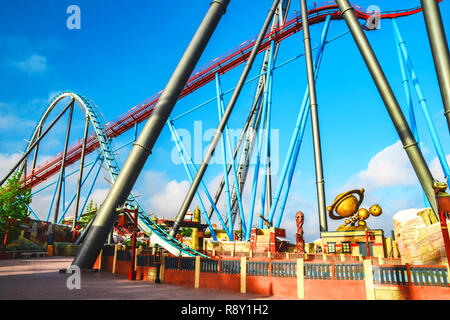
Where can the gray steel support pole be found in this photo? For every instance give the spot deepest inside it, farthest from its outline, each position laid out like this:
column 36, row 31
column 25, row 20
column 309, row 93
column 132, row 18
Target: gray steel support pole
column 439, row 49
column 25, row 155
column 36, row 150
column 143, row 146
column 245, row 157
column 209, row 153
column 314, row 121
column 80, row 173
column 243, row 164
column 63, row 163
column 236, row 149
column 81, row 238
column 401, row 125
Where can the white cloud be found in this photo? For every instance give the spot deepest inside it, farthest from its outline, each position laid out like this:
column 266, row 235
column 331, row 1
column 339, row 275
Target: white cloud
column 389, row 167
column 34, row 64
column 436, row 169
column 168, row 200
column 12, row 122
column 7, row 161
column 99, row 195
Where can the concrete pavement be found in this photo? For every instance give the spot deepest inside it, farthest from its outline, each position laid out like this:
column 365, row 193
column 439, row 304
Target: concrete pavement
column 39, row 278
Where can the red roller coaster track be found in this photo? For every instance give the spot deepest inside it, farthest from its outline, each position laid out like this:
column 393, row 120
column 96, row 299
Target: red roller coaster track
column 200, row 77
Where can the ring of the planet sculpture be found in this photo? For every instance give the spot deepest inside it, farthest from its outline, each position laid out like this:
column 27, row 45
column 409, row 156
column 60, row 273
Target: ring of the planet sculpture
column 341, row 198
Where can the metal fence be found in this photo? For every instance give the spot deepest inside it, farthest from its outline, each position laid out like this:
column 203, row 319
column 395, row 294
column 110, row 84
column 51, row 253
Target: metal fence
column 284, row 269
column 257, row 268
column 318, row 271
column 208, row 265
column 171, row 263
column 187, row 264
column 348, row 271
column 429, row 276
column 230, row 266
column 385, row 275
column 419, row 276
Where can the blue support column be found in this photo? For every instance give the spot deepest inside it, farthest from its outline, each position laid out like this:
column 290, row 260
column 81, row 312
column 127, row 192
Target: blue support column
column 431, row 128
column 191, row 178
column 230, row 150
column 31, row 210
column 224, row 161
column 301, row 115
column 90, row 189
column 68, row 175
column 82, row 183
column 202, row 184
column 135, row 131
column 63, row 191
column 269, row 81
column 258, row 153
column 405, row 82
column 53, row 199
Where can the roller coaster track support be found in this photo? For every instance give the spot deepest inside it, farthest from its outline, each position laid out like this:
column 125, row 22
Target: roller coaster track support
column 439, row 48
column 401, row 125
column 132, row 167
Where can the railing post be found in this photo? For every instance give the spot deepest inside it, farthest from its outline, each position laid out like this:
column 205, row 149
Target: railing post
column 243, row 274
column 270, row 267
column 162, row 267
column 100, row 256
column 333, row 277
column 197, row 272
column 448, row 272
column 408, row 273
column 300, row 279
column 368, row 278
column 115, row 258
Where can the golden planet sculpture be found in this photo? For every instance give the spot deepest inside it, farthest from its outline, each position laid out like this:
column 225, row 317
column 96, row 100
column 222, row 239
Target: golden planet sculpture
column 346, row 205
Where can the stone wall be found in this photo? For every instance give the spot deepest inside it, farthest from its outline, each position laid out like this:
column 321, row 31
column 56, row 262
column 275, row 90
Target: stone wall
column 417, row 242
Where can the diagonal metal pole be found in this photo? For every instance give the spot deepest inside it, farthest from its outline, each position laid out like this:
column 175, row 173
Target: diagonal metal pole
column 236, row 189
column 63, row 163
column 143, row 146
column 35, row 143
column 36, row 150
column 183, row 155
column 314, row 120
column 401, row 125
column 191, row 193
column 297, row 136
column 439, row 49
column 254, row 116
column 80, row 174
column 405, row 62
column 224, row 160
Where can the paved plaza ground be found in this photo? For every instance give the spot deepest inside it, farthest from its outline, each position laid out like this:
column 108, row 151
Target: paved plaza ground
column 39, row 278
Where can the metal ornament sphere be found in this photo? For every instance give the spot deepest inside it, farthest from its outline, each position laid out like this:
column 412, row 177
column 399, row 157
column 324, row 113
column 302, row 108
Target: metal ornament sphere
column 346, row 205
column 375, row 210
column 363, row 214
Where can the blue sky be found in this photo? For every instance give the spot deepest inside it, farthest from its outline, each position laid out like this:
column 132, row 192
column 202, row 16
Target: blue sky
column 124, row 53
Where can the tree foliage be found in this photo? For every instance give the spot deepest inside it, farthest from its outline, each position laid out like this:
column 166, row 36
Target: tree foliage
column 91, row 210
column 186, row 232
column 13, row 203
